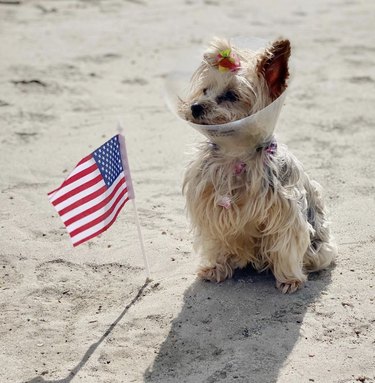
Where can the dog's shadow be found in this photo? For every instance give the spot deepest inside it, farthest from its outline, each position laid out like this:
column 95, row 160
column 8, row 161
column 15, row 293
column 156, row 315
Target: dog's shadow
column 239, row 331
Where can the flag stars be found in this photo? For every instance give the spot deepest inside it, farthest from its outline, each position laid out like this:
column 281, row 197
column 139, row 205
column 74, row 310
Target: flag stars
column 108, row 160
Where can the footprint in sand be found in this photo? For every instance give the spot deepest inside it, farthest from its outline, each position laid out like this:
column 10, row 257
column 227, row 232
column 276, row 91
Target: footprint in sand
column 9, row 276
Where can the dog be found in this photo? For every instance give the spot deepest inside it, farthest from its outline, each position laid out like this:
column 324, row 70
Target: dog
column 253, row 204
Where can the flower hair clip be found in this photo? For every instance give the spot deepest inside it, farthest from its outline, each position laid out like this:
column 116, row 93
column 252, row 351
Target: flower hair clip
column 227, row 61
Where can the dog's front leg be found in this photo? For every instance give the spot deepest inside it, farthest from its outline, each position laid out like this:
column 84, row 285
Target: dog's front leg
column 217, row 273
column 286, row 258
column 219, row 264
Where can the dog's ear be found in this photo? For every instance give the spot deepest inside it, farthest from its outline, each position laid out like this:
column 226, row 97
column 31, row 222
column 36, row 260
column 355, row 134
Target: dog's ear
column 273, row 66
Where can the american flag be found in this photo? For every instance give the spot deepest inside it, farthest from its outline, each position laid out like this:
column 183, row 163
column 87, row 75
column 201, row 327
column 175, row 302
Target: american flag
column 92, row 196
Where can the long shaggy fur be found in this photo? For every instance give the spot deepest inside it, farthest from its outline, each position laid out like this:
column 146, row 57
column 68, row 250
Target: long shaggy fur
column 276, row 219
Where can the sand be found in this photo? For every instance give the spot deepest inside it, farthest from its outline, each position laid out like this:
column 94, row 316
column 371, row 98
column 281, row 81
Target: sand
column 68, row 71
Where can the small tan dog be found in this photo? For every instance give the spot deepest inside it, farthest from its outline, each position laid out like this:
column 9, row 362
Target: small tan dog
column 255, row 206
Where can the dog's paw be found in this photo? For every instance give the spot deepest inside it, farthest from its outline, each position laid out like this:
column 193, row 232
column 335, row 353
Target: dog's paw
column 288, row 287
column 213, row 274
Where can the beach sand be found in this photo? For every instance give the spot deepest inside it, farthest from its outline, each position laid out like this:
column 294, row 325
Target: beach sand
column 69, row 70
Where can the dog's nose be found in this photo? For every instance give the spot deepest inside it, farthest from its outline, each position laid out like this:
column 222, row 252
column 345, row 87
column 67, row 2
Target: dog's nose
column 197, row 110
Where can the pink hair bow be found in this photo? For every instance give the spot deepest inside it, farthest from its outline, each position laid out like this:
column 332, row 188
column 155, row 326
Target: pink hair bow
column 227, row 61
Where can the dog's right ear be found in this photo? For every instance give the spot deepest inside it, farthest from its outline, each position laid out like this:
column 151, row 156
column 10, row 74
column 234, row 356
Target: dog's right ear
column 273, row 66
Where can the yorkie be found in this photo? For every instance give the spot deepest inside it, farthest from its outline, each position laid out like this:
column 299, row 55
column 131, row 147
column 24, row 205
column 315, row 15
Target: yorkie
column 248, row 198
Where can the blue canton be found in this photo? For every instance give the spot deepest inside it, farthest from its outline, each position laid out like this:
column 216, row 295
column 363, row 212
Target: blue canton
column 108, row 159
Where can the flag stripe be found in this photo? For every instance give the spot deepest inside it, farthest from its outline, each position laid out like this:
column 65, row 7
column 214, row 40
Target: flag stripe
column 83, row 164
column 88, row 225
column 93, row 211
column 101, row 230
column 96, row 230
column 75, row 206
column 98, row 186
column 78, row 176
column 80, row 195
column 67, row 186
column 82, row 161
column 87, row 182
column 89, row 200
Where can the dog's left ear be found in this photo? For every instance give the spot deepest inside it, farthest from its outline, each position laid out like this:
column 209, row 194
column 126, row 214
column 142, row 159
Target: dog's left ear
column 273, row 66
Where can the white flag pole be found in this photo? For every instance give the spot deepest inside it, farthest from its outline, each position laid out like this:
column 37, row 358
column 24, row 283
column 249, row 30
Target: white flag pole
column 145, row 260
column 129, row 183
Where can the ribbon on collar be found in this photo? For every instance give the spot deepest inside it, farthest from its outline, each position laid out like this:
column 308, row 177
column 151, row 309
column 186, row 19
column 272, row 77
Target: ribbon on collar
column 240, row 168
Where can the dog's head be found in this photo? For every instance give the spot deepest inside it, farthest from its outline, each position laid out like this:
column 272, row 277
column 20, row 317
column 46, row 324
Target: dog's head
column 233, row 83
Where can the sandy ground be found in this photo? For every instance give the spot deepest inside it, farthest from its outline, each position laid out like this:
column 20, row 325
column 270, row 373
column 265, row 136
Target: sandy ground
column 68, row 71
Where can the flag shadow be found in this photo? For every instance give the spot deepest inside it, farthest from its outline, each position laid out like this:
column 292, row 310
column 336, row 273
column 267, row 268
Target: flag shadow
column 239, row 331
column 94, row 346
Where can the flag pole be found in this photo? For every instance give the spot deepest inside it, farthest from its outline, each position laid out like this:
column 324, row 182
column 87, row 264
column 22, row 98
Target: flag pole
column 145, row 260
column 125, row 163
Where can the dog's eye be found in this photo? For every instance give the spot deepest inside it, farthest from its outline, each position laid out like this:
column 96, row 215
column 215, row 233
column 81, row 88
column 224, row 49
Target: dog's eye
column 228, row 96
column 205, row 91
